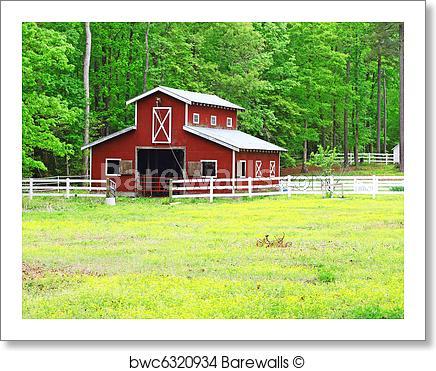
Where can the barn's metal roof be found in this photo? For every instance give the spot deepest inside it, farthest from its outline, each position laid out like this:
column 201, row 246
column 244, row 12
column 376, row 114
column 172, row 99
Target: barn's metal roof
column 189, row 97
column 107, row 137
column 233, row 139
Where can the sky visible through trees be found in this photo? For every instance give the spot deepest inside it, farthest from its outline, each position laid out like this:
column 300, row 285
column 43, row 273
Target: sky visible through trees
column 302, row 84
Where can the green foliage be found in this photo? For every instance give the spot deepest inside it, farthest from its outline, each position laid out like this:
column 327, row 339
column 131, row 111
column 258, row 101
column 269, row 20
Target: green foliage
column 48, row 119
column 147, row 259
column 326, row 275
column 324, row 158
column 397, row 189
column 290, row 77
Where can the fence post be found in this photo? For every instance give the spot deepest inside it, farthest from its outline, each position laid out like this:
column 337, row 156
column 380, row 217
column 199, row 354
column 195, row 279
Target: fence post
column 374, row 186
column 288, row 186
column 67, row 186
column 211, row 190
column 369, row 157
column 332, row 189
column 170, row 190
column 386, row 158
column 30, row 188
column 108, row 188
column 250, row 186
column 59, row 185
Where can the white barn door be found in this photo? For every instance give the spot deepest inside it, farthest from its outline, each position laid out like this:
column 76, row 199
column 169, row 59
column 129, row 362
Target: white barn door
column 161, row 131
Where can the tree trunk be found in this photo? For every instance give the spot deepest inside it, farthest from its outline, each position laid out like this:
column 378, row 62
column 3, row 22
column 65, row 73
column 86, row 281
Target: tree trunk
column 304, row 166
column 346, row 117
column 323, row 137
column 334, row 124
column 385, row 100
column 378, row 98
column 86, row 63
column 129, row 66
column 146, row 57
column 401, row 107
column 356, row 138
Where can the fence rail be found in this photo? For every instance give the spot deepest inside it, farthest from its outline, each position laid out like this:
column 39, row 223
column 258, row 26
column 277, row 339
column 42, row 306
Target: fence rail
column 58, row 187
column 376, row 158
column 250, row 187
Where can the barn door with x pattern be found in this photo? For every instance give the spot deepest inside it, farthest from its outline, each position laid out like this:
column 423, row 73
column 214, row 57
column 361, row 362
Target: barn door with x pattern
column 258, row 169
column 161, row 125
column 272, row 168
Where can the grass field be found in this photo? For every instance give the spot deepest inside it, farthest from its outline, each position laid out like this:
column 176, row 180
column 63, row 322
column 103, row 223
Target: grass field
column 145, row 258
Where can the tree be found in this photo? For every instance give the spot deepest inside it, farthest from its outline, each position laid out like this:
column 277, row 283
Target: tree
column 324, row 158
column 86, row 62
column 47, row 116
column 291, row 78
column 347, row 80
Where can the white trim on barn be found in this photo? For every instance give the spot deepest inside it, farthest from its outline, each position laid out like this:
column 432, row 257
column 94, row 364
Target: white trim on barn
column 190, row 97
column 107, row 137
column 90, row 163
column 195, row 118
column 229, row 120
column 105, row 166
column 239, row 172
column 272, row 168
column 213, row 122
column 216, row 168
column 161, row 122
column 258, row 172
column 158, row 89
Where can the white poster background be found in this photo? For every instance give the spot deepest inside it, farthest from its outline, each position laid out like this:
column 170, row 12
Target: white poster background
column 13, row 327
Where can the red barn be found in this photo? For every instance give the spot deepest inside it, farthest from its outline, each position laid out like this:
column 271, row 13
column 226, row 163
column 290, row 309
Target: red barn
column 180, row 134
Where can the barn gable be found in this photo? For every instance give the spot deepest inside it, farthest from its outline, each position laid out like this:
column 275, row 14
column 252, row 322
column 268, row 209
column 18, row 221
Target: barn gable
column 189, row 97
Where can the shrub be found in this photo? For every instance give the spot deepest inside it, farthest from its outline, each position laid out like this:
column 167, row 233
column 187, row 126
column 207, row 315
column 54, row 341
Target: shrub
column 325, row 275
column 397, row 189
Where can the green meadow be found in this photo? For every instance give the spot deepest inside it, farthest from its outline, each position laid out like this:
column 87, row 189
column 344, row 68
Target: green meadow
column 146, row 258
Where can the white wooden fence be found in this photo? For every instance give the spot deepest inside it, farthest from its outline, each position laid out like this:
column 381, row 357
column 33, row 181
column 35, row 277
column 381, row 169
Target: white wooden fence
column 58, row 187
column 375, row 158
column 250, row 187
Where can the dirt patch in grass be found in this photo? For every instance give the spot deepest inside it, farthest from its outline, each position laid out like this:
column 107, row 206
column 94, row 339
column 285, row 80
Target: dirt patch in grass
column 35, row 271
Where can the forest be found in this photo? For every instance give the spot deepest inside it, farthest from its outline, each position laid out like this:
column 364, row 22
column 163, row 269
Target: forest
column 302, row 84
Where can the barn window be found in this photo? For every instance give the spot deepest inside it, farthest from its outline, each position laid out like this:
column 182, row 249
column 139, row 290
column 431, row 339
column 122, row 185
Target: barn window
column 242, row 169
column 196, row 118
column 272, row 168
column 258, row 169
column 213, row 120
column 229, row 122
column 113, row 166
column 209, row 168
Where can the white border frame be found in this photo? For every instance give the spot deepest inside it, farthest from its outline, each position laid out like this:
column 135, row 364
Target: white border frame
column 213, row 116
column 231, row 122
column 216, row 168
column 412, row 327
column 105, row 166
column 169, row 117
